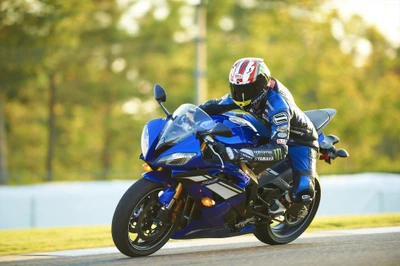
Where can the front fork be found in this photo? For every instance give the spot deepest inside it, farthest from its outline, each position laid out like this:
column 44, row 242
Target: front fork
column 175, row 197
column 169, row 200
column 168, row 213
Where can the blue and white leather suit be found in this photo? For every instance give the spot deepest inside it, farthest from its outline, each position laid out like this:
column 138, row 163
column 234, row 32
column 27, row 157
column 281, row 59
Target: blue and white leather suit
column 292, row 133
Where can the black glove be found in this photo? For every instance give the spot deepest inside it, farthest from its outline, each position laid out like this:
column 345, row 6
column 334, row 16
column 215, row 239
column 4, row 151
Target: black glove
column 279, row 151
column 221, row 150
column 266, row 153
column 227, row 154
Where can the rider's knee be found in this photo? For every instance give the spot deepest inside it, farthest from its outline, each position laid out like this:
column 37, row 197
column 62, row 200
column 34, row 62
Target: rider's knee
column 303, row 189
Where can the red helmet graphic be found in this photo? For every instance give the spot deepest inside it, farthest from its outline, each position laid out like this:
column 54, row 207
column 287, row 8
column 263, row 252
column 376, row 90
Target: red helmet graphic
column 248, row 77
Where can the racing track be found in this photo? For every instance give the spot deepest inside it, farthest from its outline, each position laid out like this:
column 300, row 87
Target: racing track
column 380, row 246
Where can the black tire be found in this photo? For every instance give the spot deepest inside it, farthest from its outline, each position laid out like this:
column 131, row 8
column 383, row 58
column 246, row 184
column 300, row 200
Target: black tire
column 283, row 233
column 133, row 229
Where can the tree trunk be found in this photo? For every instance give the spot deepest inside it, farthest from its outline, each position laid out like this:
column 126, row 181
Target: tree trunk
column 106, row 154
column 51, row 128
column 3, row 144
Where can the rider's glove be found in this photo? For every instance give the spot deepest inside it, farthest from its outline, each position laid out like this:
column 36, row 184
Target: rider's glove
column 221, row 150
column 270, row 152
column 231, row 154
column 264, row 153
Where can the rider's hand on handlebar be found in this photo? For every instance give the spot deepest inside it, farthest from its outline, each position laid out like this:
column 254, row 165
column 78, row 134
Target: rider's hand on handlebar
column 221, row 150
column 227, row 154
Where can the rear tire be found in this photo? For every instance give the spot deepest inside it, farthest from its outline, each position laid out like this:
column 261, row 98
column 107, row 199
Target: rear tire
column 285, row 232
column 135, row 231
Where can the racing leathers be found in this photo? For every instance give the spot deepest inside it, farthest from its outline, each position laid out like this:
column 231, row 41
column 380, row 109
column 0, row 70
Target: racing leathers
column 292, row 133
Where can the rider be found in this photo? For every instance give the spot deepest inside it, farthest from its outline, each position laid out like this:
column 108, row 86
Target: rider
column 292, row 133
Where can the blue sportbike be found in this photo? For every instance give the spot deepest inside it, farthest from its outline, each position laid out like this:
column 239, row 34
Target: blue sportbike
column 189, row 192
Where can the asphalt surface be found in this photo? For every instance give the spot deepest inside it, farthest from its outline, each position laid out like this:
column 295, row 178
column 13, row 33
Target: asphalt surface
column 381, row 248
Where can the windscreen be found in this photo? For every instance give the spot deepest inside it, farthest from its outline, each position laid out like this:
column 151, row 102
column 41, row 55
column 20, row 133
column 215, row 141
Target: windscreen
column 186, row 121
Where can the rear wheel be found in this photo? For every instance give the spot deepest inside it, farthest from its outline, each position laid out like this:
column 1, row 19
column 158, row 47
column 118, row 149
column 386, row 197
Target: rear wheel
column 286, row 228
column 136, row 229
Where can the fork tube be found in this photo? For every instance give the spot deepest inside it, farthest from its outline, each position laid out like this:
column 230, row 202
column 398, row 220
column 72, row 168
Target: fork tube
column 191, row 212
column 176, row 196
column 203, row 146
column 249, row 172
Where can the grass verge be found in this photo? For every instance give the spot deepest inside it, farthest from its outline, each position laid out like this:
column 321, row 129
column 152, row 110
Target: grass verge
column 52, row 239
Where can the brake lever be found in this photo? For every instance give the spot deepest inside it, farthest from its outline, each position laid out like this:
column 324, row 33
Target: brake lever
column 210, row 141
column 219, row 156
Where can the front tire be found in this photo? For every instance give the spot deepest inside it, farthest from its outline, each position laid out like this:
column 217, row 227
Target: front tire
column 135, row 229
column 278, row 233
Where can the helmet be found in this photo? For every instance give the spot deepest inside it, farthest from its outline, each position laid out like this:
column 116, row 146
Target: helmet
column 248, row 78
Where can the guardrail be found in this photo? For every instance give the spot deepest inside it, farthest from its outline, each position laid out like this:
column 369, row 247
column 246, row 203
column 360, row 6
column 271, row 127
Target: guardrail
column 93, row 203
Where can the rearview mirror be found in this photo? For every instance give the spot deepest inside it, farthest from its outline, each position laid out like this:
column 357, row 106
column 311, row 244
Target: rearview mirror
column 159, row 93
column 221, row 130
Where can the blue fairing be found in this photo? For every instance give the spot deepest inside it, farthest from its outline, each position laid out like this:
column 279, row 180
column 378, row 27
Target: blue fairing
column 261, row 129
column 321, row 138
column 154, row 127
column 192, row 145
column 211, row 223
column 246, row 129
column 167, row 196
column 177, row 136
column 180, row 151
column 189, row 145
column 159, row 177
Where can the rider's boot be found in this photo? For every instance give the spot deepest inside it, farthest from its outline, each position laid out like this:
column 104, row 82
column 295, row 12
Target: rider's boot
column 281, row 204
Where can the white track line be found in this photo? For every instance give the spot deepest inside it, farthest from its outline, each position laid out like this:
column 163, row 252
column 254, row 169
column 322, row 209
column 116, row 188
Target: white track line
column 199, row 242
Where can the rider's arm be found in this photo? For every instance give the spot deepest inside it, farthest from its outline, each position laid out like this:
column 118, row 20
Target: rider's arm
column 277, row 149
column 219, row 106
column 279, row 118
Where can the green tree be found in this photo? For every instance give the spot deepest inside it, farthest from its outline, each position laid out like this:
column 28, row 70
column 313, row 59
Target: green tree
column 71, row 73
column 18, row 56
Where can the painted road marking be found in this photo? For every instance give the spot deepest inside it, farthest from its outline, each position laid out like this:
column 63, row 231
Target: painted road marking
column 199, row 242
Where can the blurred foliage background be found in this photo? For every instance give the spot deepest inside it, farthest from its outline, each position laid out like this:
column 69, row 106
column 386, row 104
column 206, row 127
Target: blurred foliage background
column 76, row 78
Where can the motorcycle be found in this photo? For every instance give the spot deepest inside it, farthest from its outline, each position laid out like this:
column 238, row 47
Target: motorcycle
column 189, row 192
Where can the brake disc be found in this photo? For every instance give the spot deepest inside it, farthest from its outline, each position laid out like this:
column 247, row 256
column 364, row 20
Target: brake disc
column 147, row 228
column 296, row 214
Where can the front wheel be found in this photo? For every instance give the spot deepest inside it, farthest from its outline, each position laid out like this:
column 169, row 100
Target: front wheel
column 290, row 227
column 136, row 229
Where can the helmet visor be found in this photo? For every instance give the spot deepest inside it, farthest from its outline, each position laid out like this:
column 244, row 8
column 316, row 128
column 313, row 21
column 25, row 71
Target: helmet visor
column 242, row 93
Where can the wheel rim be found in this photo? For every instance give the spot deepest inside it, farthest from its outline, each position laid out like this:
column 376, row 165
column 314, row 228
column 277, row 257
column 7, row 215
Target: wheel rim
column 144, row 231
column 286, row 226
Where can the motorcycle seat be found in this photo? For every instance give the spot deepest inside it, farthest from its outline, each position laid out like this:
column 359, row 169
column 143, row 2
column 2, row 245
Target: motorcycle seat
column 320, row 117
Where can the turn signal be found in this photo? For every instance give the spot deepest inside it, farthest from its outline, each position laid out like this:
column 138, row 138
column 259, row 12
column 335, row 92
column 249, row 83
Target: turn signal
column 207, row 202
column 146, row 167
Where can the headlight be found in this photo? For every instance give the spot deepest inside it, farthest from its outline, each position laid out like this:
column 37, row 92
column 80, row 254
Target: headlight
column 145, row 140
column 179, row 158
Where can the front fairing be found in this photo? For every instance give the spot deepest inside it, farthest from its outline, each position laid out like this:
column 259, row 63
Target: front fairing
column 185, row 122
column 189, row 145
column 176, row 134
column 154, row 127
